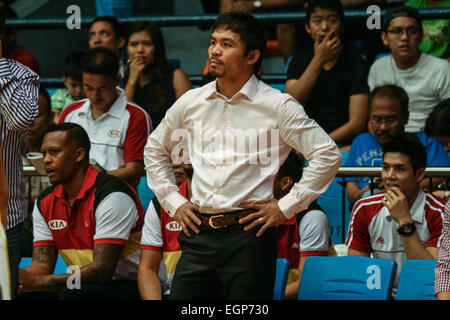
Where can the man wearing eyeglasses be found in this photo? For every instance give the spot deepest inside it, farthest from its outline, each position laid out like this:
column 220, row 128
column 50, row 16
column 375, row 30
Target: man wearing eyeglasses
column 425, row 78
column 388, row 116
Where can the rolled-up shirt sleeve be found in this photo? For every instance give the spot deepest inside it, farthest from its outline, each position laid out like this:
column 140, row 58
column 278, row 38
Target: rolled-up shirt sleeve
column 157, row 153
column 19, row 93
column 307, row 137
column 442, row 271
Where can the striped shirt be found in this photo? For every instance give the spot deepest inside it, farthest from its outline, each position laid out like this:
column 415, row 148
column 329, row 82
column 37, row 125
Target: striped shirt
column 19, row 93
column 442, row 272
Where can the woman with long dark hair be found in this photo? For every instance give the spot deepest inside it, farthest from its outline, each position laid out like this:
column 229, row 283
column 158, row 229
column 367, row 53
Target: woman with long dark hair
column 149, row 80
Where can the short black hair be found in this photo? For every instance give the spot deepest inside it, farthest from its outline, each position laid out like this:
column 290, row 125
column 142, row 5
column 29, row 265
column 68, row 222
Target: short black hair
column 438, row 121
column 75, row 134
column 72, row 65
column 292, row 167
column 115, row 24
column 250, row 30
column 401, row 11
column 409, row 145
column 101, row 61
column 43, row 91
column 394, row 92
column 334, row 5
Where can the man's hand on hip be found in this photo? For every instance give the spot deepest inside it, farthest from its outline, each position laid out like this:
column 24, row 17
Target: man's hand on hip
column 267, row 216
column 186, row 217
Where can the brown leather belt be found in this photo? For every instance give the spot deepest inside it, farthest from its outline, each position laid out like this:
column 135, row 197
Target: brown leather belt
column 223, row 219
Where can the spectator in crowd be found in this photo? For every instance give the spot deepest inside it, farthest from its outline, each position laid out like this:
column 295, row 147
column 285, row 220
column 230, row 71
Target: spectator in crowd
column 160, row 241
column 34, row 185
column 436, row 35
column 13, row 51
column 425, row 78
column 388, row 116
column 107, row 32
column 436, row 126
column 437, row 123
column 118, row 129
column 442, row 284
column 93, row 220
column 150, row 81
column 306, row 234
column 330, row 81
column 222, row 214
column 18, row 95
column 403, row 222
column 73, row 83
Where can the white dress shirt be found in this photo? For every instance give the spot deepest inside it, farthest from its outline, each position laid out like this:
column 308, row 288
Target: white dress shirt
column 236, row 147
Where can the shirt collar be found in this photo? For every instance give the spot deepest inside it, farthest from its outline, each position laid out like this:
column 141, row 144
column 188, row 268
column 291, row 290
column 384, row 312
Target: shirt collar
column 88, row 183
column 117, row 109
column 248, row 91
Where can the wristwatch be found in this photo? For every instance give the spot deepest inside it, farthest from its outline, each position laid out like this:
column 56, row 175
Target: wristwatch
column 257, row 4
column 407, row 229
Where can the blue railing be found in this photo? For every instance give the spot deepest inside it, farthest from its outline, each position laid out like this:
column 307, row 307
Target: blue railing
column 203, row 19
column 207, row 19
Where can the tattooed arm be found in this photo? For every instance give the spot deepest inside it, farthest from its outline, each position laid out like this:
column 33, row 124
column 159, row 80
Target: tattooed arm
column 37, row 276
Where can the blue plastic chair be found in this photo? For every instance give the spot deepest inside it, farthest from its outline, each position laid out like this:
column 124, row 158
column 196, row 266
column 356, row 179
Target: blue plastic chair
column 417, row 280
column 60, row 266
column 347, row 278
column 283, row 266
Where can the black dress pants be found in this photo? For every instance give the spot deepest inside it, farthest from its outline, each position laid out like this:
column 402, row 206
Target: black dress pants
column 226, row 263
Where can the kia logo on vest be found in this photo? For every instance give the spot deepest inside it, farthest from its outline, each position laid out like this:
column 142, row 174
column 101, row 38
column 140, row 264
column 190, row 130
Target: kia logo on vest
column 173, row 226
column 114, row 133
column 57, row 224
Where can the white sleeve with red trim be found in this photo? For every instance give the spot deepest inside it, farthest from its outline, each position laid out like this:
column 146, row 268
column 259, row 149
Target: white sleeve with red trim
column 41, row 232
column 115, row 216
column 314, row 234
column 358, row 237
column 151, row 232
column 139, row 128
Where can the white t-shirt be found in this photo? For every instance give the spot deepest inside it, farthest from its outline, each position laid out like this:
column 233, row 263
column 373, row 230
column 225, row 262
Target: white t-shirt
column 427, row 84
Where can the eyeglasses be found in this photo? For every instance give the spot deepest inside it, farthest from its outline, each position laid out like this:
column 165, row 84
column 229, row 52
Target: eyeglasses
column 389, row 121
column 398, row 32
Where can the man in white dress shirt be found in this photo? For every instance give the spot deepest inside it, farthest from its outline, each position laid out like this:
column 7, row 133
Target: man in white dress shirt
column 239, row 131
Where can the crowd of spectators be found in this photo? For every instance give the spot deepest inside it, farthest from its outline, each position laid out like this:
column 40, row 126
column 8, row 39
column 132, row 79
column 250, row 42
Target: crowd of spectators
column 383, row 111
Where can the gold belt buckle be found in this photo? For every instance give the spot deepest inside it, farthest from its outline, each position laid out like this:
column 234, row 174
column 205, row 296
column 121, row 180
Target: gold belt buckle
column 211, row 221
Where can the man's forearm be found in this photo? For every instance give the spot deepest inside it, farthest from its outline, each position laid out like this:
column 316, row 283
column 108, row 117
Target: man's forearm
column 414, row 248
column 443, row 296
column 149, row 285
column 345, row 132
column 54, row 282
column 131, row 174
column 302, row 88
